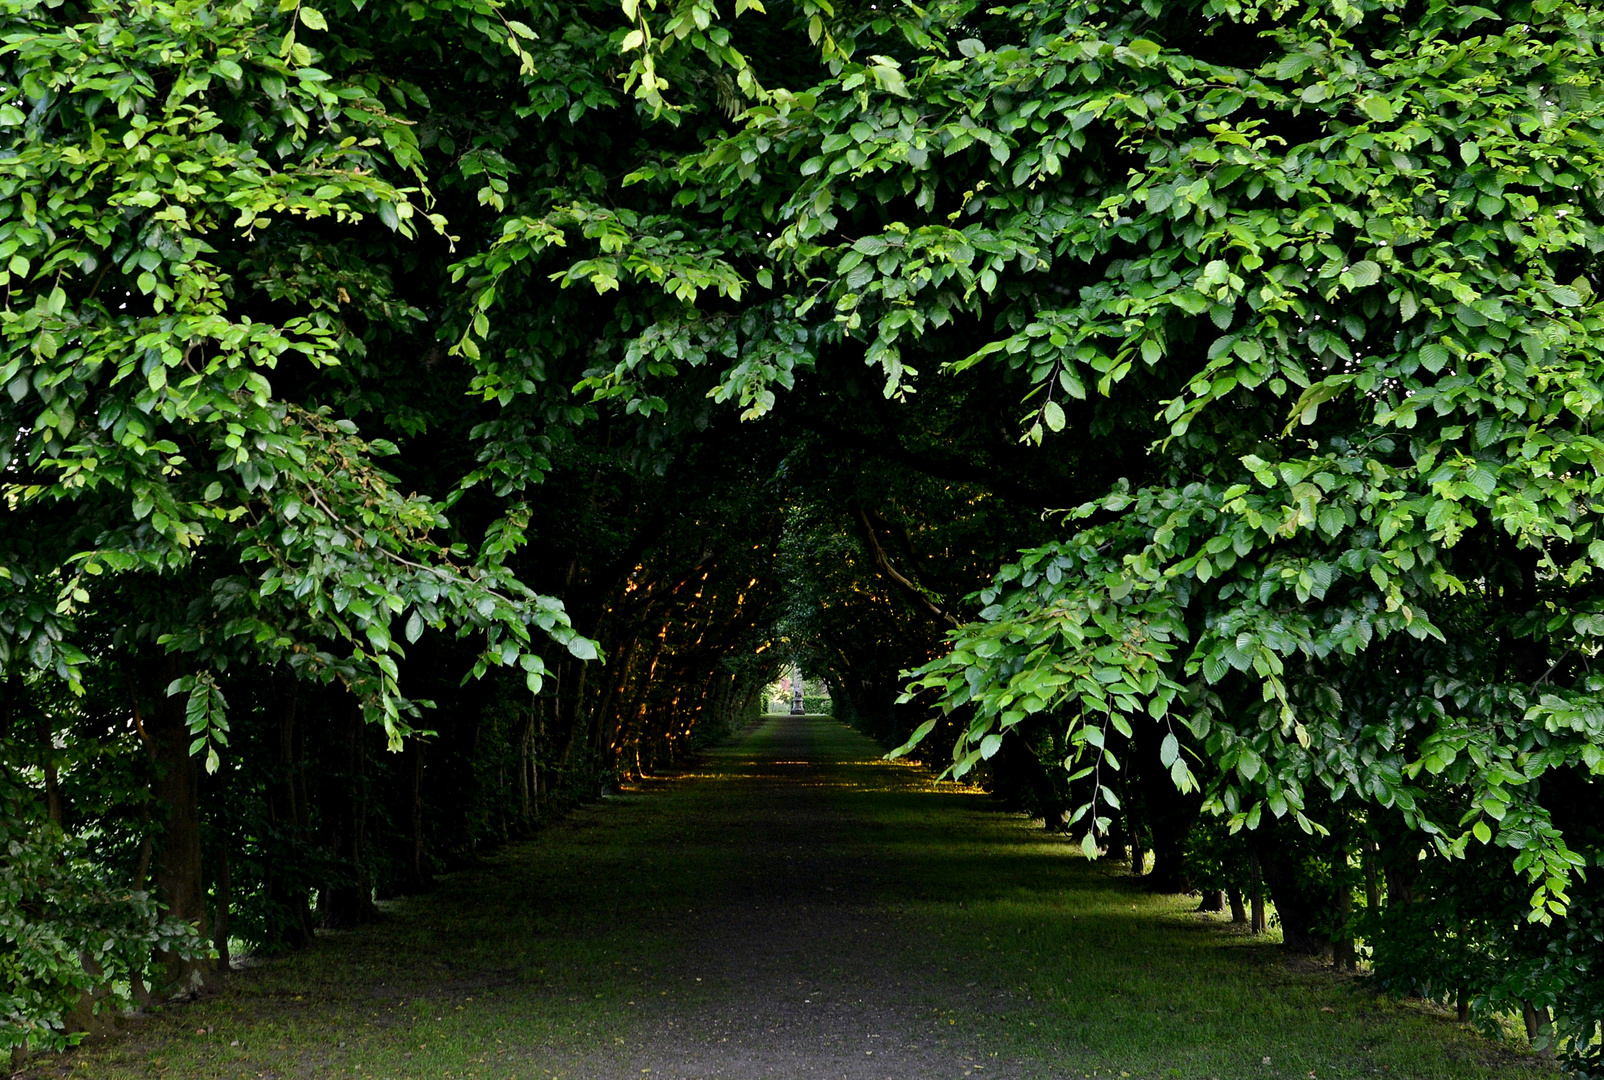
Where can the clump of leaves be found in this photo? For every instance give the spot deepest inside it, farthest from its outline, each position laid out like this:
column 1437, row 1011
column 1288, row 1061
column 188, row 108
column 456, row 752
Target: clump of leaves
column 71, row 939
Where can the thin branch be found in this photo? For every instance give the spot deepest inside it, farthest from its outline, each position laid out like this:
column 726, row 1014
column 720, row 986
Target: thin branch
column 884, row 562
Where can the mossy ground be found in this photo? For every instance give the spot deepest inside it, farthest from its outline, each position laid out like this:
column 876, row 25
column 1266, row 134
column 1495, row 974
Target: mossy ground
column 793, row 907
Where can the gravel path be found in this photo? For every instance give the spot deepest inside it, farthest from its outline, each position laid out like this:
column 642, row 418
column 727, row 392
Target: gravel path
column 806, row 973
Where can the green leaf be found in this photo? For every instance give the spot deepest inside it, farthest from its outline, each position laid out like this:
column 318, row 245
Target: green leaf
column 1293, row 64
column 1376, row 107
column 913, row 740
column 312, row 19
column 1364, row 273
column 1053, row 414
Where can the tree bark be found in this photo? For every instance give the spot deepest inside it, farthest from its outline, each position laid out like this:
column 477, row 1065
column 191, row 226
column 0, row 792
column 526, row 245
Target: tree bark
column 1021, row 761
column 419, row 878
column 1343, row 955
column 225, row 900
column 1257, row 924
column 176, row 790
column 348, row 899
column 1538, row 1024
column 286, row 810
column 1169, row 814
column 1296, row 907
column 47, row 759
column 1372, row 880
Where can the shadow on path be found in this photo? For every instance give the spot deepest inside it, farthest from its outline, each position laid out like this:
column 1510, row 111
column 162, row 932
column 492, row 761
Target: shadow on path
column 792, row 907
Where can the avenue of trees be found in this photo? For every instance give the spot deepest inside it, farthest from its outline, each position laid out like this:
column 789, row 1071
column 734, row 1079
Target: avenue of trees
column 1180, row 415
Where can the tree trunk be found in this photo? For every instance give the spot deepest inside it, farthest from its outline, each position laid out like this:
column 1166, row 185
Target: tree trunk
column 1213, row 900
column 1025, row 768
column 1343, row 955
column 176, row 791
column 1169, row 853
column 1115, row 842
column 1297, row 908
column 419, row 878
column 542, row 776
column 1169, row 814
column 526, row 793
column 1238, row 912
column 348, row 899
column 225, row 900
column 10, row 704
column 47, row 759
column 286, row 810
column 1256, row 892
column 1538, row 1025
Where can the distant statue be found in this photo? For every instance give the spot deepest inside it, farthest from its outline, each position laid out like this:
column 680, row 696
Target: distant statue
column 797, row 708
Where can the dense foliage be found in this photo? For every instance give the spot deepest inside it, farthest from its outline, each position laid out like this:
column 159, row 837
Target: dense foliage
column 374, row 378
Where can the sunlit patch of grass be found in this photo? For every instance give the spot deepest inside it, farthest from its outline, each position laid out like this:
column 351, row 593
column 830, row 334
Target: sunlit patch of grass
column 1110, row 980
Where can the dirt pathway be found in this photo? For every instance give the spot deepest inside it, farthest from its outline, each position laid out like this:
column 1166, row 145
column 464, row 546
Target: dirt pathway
column 792, row 908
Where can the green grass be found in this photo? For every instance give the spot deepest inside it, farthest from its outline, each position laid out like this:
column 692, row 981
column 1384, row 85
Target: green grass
column 1014, row 947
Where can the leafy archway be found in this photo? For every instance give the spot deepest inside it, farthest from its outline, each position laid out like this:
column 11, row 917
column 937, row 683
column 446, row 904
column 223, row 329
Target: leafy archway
column 1201, row 396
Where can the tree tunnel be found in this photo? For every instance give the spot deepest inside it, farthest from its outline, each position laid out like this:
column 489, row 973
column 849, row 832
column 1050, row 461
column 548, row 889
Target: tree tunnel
column 1181, row 417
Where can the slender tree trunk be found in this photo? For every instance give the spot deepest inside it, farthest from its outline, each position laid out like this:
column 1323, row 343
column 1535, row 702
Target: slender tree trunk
column 1019, row 759
column 419, row 879
column 10, row 704
column 1343, row 954
column 47, row 759
column 1256, row 893
column 1118, row 832
column 542, row 776
column 1298, row 908
column 526, row 794
column 1538, row 1024
column 1369, row 865
column 1168, row 814
column 225, row 900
